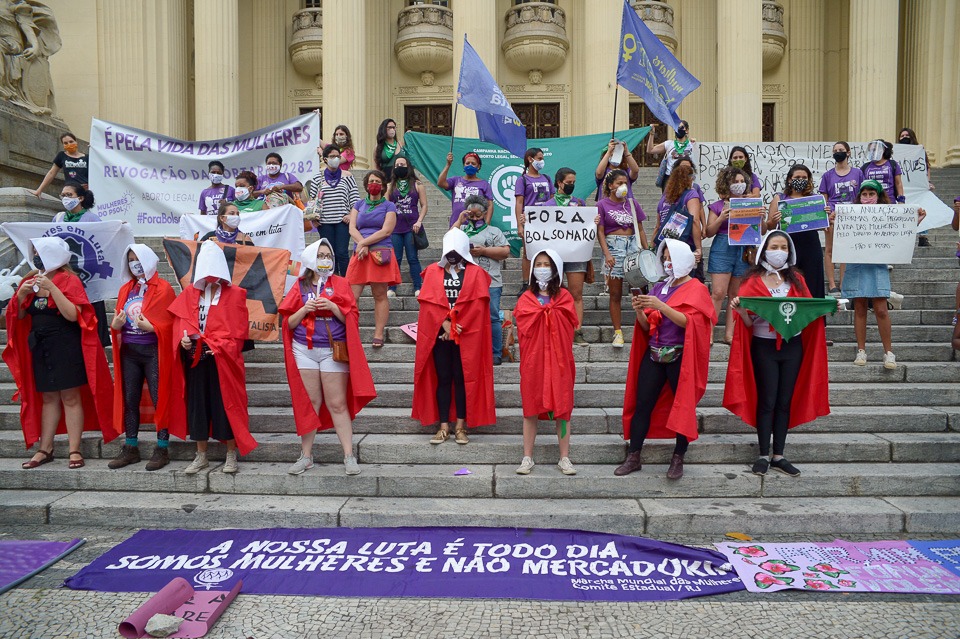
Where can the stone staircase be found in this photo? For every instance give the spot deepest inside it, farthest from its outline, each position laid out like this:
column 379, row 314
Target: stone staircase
column 886, row 461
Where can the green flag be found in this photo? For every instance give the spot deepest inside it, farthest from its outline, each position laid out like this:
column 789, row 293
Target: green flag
column 582, row 153
column 789, row 315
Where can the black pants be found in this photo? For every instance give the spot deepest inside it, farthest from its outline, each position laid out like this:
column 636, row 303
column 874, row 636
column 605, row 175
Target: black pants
column 776, row 374
column 206, row 416
column 103, row 326
column 651, row 378
column 446, row 358
column 810, row 260
column 140, row 363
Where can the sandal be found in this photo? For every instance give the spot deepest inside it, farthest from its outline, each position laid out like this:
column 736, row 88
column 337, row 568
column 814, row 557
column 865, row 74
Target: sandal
column 378, row 342
column 76, row 463
column 33, row 463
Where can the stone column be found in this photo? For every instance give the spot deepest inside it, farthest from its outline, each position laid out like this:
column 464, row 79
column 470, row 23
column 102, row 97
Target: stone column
column 269, row 46
column 480, row 21
column 806, row 69
column 596, row 52
column 379, row 56
column 698, row 46
column 950, row 98
column 123, row 81
column 740, row 93
column 872, row 104
column 216, row 37
column 345, row 58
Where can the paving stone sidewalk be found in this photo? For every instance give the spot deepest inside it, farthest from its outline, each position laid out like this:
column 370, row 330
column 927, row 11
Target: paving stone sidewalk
column 39, row 608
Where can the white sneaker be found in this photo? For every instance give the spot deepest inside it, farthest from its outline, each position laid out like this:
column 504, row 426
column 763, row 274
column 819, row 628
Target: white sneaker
column 889, row 361
column 391, row 293
column 230, row 464
column 351, row 466
column 199, row 463
column 617, row 339
column 525, row 466
column 861, row 359
column 301, row 466
column 566, row 467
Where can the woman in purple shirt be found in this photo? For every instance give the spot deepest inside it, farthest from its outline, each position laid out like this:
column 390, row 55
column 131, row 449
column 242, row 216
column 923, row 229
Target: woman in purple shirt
column 884, row 170
column 839, row 185
column 680, row 212
column 531, row 189
column 628, row 164
column 464, row 187
column 277, row 182
column 409, row 195
column 372, row 221
column 740, row 159
column 218, row 191
column 726, row 265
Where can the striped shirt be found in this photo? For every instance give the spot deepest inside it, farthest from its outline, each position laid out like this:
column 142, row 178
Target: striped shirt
column 337, row 200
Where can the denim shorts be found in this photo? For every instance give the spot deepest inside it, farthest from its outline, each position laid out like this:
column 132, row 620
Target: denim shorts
column 575, row 267
column 620, row 246
column 726, row 258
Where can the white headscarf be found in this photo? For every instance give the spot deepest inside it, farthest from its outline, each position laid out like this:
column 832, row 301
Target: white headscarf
column 53, row 251
column 557, row 263
column 682, row 258
column 211, row 262
column 148, row 259
column 308, row 258
column 791, row 260
column 455, row 240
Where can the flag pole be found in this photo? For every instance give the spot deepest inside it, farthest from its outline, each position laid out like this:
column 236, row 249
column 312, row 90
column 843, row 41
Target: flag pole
column 613, row 129
column 453, row 126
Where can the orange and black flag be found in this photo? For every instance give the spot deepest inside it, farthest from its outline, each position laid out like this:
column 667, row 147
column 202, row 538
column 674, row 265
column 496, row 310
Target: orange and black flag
column 260, row 271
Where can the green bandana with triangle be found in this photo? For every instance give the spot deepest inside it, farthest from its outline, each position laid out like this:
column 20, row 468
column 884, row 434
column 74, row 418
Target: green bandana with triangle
column 789, row 315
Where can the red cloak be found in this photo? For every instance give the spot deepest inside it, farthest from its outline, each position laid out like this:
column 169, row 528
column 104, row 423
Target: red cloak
column 227, row 328
column 360, row 389
column 156, row 308
column 547, row 369
column 740, row 387
column 675, row 415
column 97, row 395
column 472, row 311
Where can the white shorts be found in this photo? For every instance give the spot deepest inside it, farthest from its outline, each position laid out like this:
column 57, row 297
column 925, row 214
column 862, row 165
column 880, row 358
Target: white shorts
column 317, row 359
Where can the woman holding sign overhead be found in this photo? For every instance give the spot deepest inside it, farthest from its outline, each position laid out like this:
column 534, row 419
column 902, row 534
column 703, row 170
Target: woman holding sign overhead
column 799, row 183
column 870, row 283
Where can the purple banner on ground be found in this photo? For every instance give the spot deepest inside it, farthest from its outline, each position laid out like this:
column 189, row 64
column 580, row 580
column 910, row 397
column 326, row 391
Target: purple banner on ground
column 945, row 552
column 483, row 563
column 20, row 560
column 839, row 566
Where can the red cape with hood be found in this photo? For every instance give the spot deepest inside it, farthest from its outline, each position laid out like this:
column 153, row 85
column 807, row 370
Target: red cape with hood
column 472, row 310
column 227, row 328
column 740, row 387
column 547, row 369
column 675, row 415
column 97, row 395
column 156, row 308
column 360, row 388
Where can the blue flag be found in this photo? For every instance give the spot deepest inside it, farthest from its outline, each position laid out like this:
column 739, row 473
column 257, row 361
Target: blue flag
column 497, row 122
column 648, row 70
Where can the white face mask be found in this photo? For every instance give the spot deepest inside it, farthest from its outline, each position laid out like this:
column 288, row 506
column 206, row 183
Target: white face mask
column 324, row 267
column 136, row 268
column 333, row 163
column 242, row 193
column 539, row 164
column 542, row 274
column 621, row 191
column 273, row 169
column 777, row 258
column 216, row 178
column 738, row 188
column 70, row 203
column 668, row 267
column 232, row 221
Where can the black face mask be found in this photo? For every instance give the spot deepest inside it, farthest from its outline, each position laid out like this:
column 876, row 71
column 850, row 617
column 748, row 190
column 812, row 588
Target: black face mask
column 401, row 172
column 567, row 189
column 453, row 258
column 37, row 262
column 681, row 132
column 840, row 156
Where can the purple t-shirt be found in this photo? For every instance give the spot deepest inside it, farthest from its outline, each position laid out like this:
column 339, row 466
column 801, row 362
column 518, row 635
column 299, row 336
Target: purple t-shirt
column 755, row 182
column 535, row 190
column 462, row 189
column 408, row 209
column 884, row 174
column 371, row 219
column 131, row 333
column 267, row 181
column 668, row 333
column 618, row 216
column 607, row 172
column 717, row 208
column 320, row 339
column 664, row 208
column 841, row 189
column 210, row 198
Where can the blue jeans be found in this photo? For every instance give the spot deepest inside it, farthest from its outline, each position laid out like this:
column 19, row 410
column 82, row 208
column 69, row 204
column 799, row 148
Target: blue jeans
column 495, row 324
column 404, row 242
column 339, row 235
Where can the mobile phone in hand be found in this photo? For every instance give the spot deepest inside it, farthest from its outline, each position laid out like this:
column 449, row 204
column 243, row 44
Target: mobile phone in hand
column 636, row 291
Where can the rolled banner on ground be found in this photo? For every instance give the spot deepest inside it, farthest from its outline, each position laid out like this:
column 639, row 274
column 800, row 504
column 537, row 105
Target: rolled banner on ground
column 789, row 316
column 165, row 602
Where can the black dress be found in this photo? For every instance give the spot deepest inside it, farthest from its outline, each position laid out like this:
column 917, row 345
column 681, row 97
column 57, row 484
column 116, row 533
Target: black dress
column 55, row 348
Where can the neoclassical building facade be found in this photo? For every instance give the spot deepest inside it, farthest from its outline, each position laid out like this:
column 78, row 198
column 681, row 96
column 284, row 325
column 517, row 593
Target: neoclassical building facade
column 792, row 70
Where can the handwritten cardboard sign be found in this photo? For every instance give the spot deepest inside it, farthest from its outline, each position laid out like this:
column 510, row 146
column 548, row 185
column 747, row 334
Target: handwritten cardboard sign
column 568, row 230
column 874, row 233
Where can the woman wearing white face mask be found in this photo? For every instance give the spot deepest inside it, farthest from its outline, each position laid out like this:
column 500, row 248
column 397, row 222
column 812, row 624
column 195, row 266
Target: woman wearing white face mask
column 279, row 186
column 764, row 369
column 228, row 226
column 77, row 203
column 335, row 190
column 531, row 189
column 726, row 265
column 324, row 330
column 245, row 200
column 218, row 190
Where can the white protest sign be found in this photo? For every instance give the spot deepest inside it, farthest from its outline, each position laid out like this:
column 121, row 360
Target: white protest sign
column 874, row 233
column 772, row 160
column 150, row 180
column 568, row 230
column 98, row 250
column 281, row 227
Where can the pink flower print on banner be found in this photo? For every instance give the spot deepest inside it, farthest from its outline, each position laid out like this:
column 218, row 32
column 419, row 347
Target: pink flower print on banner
column 818, row 584
column 750, row 551
column 846, row 583
column 828, row 570
column 763, row 580
column 778, row 566
column 810, row 574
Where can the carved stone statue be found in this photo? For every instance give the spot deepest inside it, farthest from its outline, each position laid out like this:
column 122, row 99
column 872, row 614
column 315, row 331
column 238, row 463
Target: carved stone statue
column 28, row 37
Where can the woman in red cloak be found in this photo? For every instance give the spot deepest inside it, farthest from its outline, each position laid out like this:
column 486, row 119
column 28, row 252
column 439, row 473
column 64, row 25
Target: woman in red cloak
column 669, row 359
column 142, row 332
column 54, row 352
column 764, row 370
column 209, row 386
column 327, row 392
column 546, row 319
column 454, row 349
